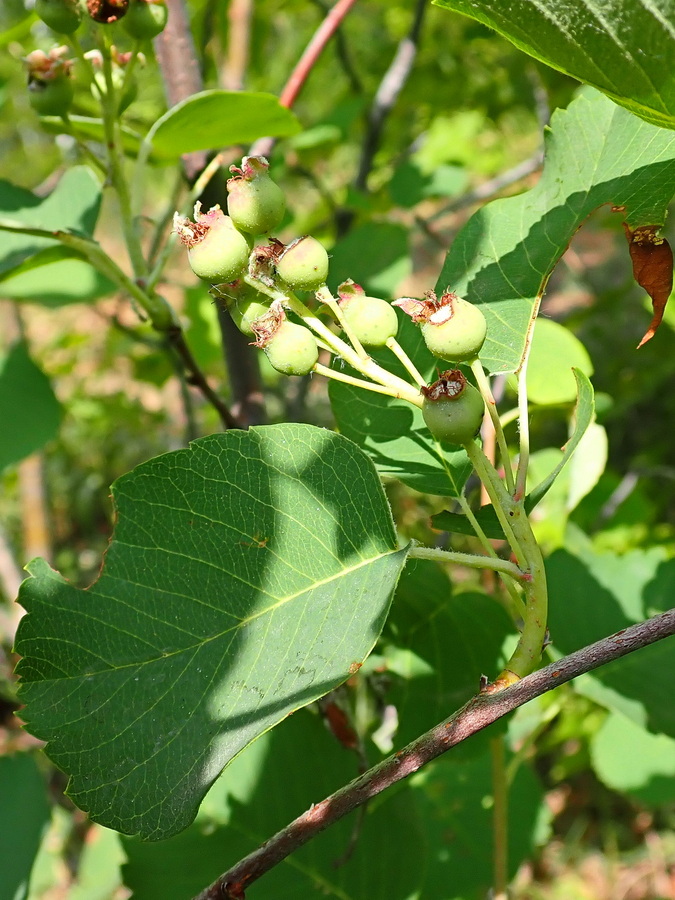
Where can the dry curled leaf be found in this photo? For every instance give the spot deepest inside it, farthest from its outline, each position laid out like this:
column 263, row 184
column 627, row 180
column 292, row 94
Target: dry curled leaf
column 652, row 260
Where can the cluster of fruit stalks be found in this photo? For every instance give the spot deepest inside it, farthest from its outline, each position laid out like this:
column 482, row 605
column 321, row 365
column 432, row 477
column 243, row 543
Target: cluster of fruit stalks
column 257, row 283
column 50, row 75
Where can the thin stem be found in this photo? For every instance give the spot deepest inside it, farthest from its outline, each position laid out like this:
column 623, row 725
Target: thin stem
column 484, row 387
column 524, row 426
column 305, row 64
column 86, row 151
column 336, row 375
column 323, row 295
column 482, row 710
column 467, row 559
column 501, row 499
column 405, row 360
column 367, row 367
column 500, row 818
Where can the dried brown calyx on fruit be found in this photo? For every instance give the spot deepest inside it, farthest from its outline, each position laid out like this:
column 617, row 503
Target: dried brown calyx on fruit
column 107, row 11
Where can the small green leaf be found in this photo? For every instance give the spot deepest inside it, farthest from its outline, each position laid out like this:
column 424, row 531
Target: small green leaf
column 554, row 353
column 584, row 413
column 592, row 595
column 247, row 574
column 29, row 410
column 56, row 283
column 213, row 119
column 72, row 206
column 596, row 153
column 24, row 812
column 618, row 46
column 645, row 767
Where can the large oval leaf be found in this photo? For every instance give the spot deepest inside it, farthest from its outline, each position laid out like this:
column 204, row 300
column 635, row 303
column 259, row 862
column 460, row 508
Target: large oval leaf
column 247, row 574
column 596, row 153
column 215, row 119
column 621, row 47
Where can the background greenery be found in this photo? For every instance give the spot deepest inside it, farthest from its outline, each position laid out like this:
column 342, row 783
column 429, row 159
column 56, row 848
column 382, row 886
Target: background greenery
column 586, row 820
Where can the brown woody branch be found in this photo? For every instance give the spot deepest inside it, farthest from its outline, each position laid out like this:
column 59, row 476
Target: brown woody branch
column 481, row 711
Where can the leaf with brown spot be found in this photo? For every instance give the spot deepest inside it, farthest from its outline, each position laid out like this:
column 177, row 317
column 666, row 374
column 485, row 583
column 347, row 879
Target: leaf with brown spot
column 652, row 260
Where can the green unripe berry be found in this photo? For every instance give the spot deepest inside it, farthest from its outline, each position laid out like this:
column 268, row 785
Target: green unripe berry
column 292, row 349
column 217, row 252
column 455, row 331
column 145, row 19
column 303, row 265
column 453, row 409
column 247, row 310
column 53, row 97
column 62, row 16
column 371, row 320
column 256, row 204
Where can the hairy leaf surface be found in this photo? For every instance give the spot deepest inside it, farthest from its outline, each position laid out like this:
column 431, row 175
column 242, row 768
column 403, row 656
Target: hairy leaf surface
column 247, row 574
column 621, row 47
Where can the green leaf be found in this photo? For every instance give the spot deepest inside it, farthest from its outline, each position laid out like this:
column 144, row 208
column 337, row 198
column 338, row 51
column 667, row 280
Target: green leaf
column 593, row 595
column 28, row 408
column 89, row 129
column 393, row 433
column 57, row 283
column 584, row 413
column 213, row 119
column 596, row 154
column 619, row 46
column 271, row 782
column 437, row 645
column 555, row 352
column 246, row 575
column 381, row 268
column 645, row 767
column 24, row 812
column 72, row 206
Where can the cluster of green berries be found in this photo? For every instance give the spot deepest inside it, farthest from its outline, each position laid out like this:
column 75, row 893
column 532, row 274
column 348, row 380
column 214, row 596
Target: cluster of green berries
column 141, row 19
column 50, row 83
column 226, row 251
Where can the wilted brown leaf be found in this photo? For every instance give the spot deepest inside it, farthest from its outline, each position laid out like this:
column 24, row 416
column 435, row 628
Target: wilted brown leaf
column 652, row 260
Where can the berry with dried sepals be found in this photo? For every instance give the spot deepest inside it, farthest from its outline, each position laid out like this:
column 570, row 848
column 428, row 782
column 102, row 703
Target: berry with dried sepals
column 290, row 348
column 372, row 321
column 107, row 12
column 453, row 409
column 244, row 303
column 217, row 252
column 452, row 328
column 303, row 264
column 256, row 204
column 50, row 86
column 62, row 16
column 145, row 19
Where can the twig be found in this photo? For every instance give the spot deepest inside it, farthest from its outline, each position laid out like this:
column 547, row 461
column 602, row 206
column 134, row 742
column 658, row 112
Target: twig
column 488, row 189
column 387, row 93
column 306, row 63
column 239, row 14
column 482, row 710
column 343, row 54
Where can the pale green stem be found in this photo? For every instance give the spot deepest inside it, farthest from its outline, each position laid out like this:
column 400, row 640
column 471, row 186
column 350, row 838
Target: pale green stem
column 516, row 606
column 336, row 375
column 323, row 295
column 524, row 425
column 403, row 358
column 368, row 367
column 206, row 175
column 500, row 819
column 117, row 176
column 484, row 387
column 87, row 68
column 90, row 155
column 131, row 65
column 503, row 566
column 501, row 500
column 514, row 521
